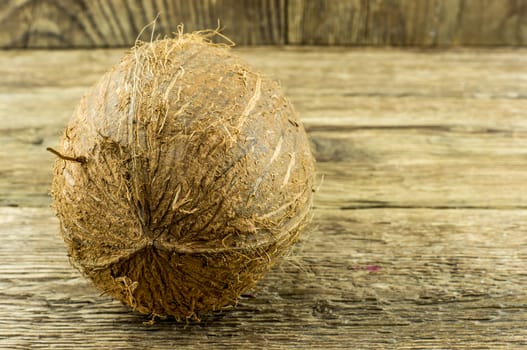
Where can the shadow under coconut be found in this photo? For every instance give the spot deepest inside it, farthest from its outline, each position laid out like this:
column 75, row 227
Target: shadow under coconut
column 272, row 301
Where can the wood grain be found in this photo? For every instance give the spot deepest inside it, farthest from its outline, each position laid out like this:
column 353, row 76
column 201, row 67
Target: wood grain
column 419, row 231
column 374, row 278
column 78, row 23
column 408, row 22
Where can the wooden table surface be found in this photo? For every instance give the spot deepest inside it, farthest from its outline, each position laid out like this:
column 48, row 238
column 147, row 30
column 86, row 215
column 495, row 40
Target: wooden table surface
column 419, row 238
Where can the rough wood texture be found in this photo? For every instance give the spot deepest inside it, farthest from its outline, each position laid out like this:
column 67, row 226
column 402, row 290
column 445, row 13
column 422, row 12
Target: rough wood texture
column 419, row 237
column 77, row 23
column 375, row 278
column 408, row 22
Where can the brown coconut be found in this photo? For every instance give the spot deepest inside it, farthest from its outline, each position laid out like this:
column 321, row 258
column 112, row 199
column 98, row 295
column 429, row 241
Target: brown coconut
column 184, row 176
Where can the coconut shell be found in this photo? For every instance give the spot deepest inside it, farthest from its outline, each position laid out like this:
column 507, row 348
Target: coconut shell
column 185, row 175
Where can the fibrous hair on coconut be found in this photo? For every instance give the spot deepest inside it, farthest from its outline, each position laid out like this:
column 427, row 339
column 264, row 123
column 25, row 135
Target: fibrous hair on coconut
column 184, row 176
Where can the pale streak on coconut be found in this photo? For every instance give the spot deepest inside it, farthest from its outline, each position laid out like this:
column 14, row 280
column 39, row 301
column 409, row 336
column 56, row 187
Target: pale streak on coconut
column 197, row 178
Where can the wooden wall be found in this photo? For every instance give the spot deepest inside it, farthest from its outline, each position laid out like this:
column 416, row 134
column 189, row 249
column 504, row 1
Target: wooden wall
column 111, row 23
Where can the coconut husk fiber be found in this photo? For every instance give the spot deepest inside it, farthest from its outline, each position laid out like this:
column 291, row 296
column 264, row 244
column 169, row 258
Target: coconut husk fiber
column 183, row 176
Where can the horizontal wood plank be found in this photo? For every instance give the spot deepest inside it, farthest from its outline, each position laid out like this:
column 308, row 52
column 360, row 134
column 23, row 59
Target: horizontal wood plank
column 372, row 278
column 358, row 86
column 416, row 168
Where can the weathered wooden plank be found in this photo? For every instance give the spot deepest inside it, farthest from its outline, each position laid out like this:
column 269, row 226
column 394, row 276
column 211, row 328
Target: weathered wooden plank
column 422, row 167
column 408, row 22
column 467, row 73
column 446, row 184
column 340, row 74
column 377, row 278
column 77, row 23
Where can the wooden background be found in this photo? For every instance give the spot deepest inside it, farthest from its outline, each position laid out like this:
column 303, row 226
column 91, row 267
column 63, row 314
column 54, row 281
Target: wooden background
column 420, row 232
column 419, row 237
column 115, row 23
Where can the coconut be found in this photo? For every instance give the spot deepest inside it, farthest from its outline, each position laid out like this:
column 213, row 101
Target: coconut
column 182, row 177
